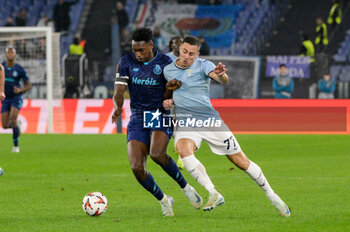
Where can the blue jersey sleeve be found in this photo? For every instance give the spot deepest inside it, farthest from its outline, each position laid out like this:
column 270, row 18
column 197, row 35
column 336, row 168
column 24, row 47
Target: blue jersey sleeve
column 207, row 66
column 122, row 74
column 25, row 77
column 123, row 67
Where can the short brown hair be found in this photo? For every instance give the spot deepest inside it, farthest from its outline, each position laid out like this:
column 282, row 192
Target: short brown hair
column 192, row 40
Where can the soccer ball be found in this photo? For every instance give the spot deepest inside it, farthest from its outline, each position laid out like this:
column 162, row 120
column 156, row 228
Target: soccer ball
column 1, row 171
column 95, row 204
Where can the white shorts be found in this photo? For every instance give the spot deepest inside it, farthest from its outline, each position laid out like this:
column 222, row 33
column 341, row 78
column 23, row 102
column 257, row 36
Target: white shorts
column 220, row 142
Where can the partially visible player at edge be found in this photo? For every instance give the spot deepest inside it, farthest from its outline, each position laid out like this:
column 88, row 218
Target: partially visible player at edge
column 14, row 74
column 2, row 83
column 192, row 98
column 142, row 72
column 174, row 45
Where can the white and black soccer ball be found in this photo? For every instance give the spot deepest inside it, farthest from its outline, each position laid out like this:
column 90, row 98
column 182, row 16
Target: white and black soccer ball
column 95, row 204
column 1, row 171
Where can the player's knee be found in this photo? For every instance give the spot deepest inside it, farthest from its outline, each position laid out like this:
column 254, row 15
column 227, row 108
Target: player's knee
column 185, row 147
column 139, row 171
column 241, row 161
column 5, row 124
column 160, row 157
column 13, row 122
column 184, row 151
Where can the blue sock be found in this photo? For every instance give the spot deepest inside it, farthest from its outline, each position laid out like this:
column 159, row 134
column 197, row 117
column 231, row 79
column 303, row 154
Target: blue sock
column 150, row 185
column 15, row 136
column 173, row 170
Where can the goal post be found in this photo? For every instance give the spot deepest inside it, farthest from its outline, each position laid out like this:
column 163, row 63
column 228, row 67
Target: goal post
column 38, row 51
column 244, row 73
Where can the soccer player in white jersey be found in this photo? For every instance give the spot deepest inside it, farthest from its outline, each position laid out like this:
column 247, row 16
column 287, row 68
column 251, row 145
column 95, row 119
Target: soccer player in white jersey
column 174, row 45
column 192, row 104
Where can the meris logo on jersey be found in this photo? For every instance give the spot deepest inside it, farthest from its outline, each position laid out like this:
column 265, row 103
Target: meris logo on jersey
column 148, row 81
column 15, row 73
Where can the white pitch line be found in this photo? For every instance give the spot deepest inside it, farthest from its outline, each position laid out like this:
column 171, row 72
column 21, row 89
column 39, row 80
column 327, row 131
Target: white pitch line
column 166, row 176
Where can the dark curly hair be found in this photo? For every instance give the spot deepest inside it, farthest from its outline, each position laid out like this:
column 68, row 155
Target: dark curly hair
column 142, row 34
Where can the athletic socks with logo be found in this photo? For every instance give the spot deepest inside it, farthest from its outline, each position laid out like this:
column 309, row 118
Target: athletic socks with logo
column 173, row 171
column 255, row 172
column 198, row 172
column 150, row 185
column 15, row 136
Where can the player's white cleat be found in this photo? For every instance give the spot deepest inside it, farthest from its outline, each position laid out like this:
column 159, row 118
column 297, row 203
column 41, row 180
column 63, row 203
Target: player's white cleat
column 15, row 150
column 167, row 205
column 280, row 206
column 192, row 195
column 215, row 199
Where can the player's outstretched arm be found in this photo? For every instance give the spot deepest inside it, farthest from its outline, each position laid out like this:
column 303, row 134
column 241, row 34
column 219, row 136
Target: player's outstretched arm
column 118, row 101
column 219, row 73
column 2, row 83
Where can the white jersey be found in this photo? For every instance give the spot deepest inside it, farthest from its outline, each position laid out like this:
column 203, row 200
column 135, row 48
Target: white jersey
column 172, row 56
column 192, row 101
column 192, row 98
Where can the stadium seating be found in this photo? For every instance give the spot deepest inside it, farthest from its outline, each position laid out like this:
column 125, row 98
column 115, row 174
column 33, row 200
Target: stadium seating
column 75, row 14
column 253, row 25
column 131, row 9
column 341, row 72
column 36, row 9
column 344, row 50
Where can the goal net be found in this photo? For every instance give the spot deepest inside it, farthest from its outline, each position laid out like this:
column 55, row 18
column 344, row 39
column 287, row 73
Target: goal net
column 244, row 77
column 38, row 52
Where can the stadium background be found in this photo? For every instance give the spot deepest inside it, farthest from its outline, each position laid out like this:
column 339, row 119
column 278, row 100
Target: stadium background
column 42, row 187
column 252, row 37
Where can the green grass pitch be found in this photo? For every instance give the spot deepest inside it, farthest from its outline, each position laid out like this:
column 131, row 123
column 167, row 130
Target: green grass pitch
column 42, row 187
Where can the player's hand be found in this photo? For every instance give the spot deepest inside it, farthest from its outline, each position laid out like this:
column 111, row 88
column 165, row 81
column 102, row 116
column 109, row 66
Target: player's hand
column 16, row 90
column 173, row 85
column 2, row 96
column 168, row 103
column 220, row 69
column 116, row 115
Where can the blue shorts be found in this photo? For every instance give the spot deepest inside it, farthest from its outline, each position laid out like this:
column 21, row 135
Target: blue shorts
column 136, row 131
column 16, row 102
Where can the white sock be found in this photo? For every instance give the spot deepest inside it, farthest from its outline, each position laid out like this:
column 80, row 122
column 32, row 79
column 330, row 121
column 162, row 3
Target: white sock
column 187, row 187
column 257, row 175
column 165, row 198
column 198, row 172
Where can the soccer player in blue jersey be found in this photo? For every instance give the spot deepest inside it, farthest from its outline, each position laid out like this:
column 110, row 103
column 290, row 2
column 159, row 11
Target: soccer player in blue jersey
column 2, row 83
column 14, row 74
column 197, row 120
column 142, row 72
